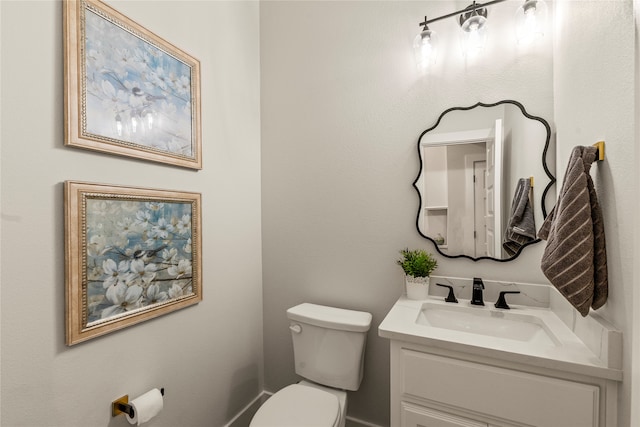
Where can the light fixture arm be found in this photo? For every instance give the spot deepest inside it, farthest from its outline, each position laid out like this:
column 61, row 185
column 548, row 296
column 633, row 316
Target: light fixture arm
column 458, row 12
column 424, row 23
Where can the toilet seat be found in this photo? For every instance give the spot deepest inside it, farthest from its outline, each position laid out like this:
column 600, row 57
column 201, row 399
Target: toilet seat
column 298, row 406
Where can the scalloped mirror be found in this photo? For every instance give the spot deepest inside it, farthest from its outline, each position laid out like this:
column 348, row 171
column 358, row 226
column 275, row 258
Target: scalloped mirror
column 480, row 167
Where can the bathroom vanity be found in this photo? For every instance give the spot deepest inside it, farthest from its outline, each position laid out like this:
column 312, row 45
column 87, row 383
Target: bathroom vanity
column 461, row 365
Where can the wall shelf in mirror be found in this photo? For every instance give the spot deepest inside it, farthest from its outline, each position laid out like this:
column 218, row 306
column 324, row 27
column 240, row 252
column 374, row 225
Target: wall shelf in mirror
column 477, row 167
column 435, row 219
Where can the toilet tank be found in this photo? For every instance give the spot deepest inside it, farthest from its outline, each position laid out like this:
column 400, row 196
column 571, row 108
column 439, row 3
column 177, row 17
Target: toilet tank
column 329, row 343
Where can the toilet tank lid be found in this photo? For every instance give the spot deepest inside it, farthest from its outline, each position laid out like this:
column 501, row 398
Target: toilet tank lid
column 330, row 317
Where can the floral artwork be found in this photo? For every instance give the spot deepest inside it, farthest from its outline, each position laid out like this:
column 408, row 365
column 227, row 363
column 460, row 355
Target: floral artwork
column 135, row 91
column 137, row 95
column 138, row 254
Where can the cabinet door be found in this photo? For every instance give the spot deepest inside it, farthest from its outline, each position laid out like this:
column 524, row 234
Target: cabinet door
column 501, row 393
column 418, row 416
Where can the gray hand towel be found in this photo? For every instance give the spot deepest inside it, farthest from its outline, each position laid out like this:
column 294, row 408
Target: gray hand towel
column 521, row 227
column 575, row 258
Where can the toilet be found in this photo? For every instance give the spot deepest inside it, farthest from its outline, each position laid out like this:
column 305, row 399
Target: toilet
column 328, row 349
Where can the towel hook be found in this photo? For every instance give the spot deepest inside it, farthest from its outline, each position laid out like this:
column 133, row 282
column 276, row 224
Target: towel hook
column 121, row 406
column 600, row 150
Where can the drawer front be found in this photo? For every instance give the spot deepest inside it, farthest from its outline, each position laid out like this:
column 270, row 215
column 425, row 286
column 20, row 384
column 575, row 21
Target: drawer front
column 419, row 416
column 503, row 393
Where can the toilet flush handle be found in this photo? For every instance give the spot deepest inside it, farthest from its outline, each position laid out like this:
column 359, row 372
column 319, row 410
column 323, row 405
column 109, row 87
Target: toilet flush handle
column 296, row 328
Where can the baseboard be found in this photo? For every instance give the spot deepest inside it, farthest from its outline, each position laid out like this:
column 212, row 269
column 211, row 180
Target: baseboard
column 243, row 418
column 354, row 422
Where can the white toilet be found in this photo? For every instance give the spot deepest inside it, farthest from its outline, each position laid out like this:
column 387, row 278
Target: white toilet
column 328, row 347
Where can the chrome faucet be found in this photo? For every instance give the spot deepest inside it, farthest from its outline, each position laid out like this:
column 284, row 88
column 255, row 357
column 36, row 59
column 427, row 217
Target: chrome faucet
column 476, row 296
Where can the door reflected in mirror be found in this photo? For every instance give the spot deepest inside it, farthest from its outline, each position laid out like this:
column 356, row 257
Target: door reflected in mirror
column 483, row 180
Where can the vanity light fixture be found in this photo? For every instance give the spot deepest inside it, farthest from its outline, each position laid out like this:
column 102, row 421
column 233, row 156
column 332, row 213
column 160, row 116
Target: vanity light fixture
column 531, row 18
column 530, row 21
column 473, row 22
column 425, row 46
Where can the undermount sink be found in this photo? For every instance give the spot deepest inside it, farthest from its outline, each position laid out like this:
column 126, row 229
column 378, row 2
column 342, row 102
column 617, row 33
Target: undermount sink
column 487, row 321
column 548, row 336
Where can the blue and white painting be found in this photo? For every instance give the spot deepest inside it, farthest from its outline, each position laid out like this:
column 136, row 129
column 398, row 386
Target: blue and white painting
column 138, row 254
column 135, row 93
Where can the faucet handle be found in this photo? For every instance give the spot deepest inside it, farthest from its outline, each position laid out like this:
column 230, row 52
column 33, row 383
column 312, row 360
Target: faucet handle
column 502, row 302
column 451, row 297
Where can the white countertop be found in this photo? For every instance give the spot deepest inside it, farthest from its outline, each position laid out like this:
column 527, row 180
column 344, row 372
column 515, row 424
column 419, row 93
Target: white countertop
column 569, row 354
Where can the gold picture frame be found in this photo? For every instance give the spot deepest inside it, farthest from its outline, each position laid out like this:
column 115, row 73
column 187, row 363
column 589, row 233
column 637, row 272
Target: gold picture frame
column 128, row 91
column 131, row 254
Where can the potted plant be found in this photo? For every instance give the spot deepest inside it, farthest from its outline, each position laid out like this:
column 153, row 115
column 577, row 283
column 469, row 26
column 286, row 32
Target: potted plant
column 417, row 265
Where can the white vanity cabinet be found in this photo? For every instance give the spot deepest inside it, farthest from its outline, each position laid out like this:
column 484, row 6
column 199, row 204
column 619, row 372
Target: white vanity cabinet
column 438, row 387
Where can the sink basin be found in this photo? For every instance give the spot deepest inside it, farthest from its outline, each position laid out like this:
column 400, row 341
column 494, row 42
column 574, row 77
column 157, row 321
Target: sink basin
column 529, row 334
column 487, row 321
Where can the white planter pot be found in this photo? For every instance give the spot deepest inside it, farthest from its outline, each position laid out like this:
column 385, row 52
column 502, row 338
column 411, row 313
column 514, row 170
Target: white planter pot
column 417, row 287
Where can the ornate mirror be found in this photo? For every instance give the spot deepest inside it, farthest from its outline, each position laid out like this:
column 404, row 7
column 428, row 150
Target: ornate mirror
column 483, row 180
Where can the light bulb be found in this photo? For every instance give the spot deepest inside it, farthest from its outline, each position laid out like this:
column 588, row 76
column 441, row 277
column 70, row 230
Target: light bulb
column 474, row 30
column 425, row 48
column 148, row 118
column 531, row 19
column 134, row 124
column 118, row 125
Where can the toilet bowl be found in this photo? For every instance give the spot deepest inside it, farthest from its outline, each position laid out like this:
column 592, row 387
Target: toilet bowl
column 303, row 405
column 328, row 346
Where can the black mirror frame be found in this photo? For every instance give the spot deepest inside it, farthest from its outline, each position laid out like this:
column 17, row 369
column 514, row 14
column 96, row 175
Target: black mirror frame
column 544, row 165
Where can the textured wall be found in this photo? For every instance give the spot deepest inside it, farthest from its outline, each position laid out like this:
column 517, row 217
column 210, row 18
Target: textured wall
column 342, row 108
column 635, row 344
column 209, row 356
column 594, row 100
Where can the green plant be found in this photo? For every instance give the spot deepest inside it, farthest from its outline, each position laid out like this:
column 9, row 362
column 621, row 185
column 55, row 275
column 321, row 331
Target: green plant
column 417, row 263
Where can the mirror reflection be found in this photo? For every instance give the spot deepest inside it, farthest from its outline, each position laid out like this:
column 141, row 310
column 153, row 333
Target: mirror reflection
column 483, row 180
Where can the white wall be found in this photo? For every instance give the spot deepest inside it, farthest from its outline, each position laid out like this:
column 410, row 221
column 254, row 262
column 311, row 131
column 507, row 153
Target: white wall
column 342, row 108
column 209, row 356
column 594, row 77
column 635, row 343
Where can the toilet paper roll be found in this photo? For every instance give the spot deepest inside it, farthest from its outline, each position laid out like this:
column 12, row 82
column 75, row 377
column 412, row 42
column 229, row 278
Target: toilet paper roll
column 146, row 407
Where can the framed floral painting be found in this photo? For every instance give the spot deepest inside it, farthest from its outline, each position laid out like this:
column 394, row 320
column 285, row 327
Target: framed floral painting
column 131, row 254
column 128, row 91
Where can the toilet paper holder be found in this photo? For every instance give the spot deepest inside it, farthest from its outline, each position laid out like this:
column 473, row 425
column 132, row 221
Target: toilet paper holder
column 121, row 406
